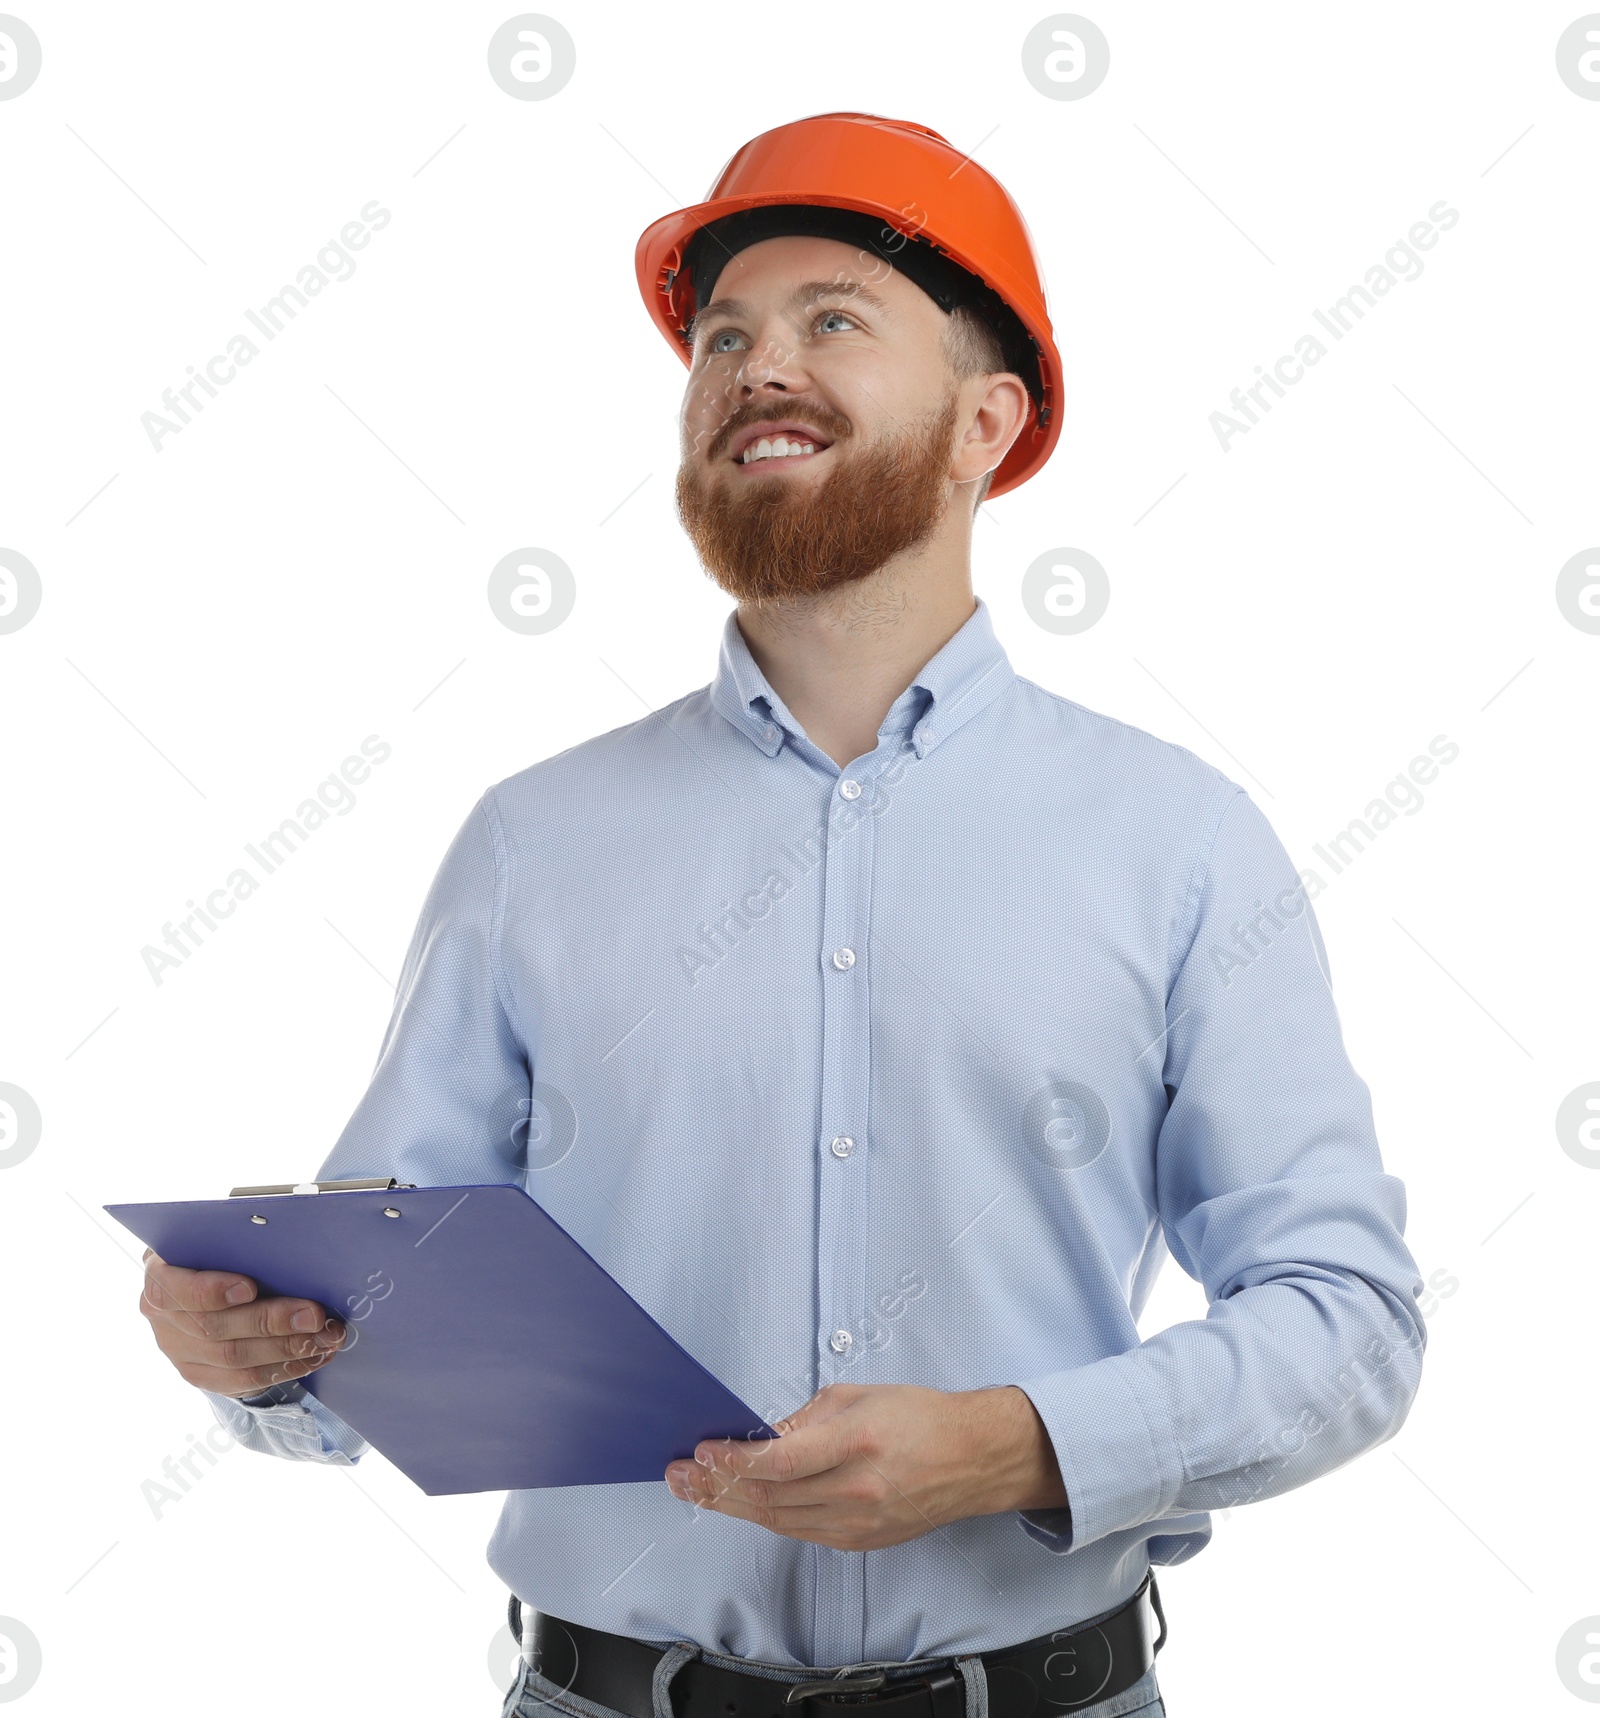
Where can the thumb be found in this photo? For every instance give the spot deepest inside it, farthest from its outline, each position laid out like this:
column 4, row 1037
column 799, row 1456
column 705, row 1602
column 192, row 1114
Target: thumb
column 830, row 1400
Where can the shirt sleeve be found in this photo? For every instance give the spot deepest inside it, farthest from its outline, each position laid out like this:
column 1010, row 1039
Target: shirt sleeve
column 448, row 1102
column 1272, row 1195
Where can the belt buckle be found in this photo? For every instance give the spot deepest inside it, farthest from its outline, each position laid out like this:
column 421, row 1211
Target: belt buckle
column 860, row 1686
column 943, row 1687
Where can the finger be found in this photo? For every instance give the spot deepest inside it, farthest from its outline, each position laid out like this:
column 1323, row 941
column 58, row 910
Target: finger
column 808, row 1449
column 744, row 1493
column 172, row 1287
column 814, row 1521
column 210, row 1304
column 240, row 1353
column 275, row 1316
column 247, row 1381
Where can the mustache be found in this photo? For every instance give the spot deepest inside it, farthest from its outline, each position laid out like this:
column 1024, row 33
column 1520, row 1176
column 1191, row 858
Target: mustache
column 835, row 429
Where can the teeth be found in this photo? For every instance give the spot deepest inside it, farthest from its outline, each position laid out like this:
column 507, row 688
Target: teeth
column 775, row 448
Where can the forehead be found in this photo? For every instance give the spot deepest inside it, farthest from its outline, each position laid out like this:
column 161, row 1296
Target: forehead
column 768, row 272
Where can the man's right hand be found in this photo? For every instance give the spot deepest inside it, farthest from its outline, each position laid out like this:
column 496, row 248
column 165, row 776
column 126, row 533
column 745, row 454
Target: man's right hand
column 223, row 1336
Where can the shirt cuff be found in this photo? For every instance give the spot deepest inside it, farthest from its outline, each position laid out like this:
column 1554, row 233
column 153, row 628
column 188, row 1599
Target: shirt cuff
column 289, row 1421
column 1114, row 1441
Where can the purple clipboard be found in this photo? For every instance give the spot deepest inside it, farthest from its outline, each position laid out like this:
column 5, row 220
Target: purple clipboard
column 487, row 1350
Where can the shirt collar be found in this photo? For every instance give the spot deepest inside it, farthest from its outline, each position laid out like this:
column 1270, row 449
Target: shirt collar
column 968, row 673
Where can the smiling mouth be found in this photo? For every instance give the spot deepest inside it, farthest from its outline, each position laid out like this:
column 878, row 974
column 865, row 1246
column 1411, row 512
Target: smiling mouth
column 778, row 462
column 782, row 448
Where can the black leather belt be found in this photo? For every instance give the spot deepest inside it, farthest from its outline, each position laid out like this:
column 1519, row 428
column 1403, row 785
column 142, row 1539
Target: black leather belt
column 1059, row 1672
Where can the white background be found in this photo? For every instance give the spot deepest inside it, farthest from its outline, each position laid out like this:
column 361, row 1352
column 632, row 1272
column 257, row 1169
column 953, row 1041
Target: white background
column 1373, row 565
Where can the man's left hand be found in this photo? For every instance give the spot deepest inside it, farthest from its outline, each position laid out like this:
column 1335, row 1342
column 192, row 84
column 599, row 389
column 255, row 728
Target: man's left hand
column 862, row 1466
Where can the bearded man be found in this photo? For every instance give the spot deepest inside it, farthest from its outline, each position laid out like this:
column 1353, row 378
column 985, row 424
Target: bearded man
column 904, row 1015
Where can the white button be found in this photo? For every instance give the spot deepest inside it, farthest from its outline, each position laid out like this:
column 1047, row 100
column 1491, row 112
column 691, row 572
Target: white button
column 842, row 1145
column 850, row 789
column 844, row 958
column 922, row 736
column 769, row 733
column 840, row 1340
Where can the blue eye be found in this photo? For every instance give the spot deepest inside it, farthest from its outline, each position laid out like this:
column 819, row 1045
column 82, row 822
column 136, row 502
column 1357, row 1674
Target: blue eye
column 714, row 349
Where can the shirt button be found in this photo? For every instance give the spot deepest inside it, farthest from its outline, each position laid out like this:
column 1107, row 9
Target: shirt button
column 840, row 1341
column 842, row 1145
column 844, row 958
column 850, row 789
column 769, row 733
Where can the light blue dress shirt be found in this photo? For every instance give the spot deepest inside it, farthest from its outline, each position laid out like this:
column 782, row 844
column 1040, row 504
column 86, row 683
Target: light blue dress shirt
column 908, row 1072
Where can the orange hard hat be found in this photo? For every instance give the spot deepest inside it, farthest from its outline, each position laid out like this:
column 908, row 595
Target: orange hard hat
column 899, row 190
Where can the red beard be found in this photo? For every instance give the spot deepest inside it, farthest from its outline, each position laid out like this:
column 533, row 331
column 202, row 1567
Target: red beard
column 782, row 536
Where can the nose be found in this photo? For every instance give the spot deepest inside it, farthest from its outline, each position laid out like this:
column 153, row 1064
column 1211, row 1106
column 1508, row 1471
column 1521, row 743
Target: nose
column 772, row 365
column 769, row 369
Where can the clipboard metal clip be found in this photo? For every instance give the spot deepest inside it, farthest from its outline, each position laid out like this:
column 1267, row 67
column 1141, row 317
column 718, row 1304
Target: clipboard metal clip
column 384, row 1183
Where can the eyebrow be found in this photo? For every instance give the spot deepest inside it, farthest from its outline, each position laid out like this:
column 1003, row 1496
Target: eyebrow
column 808, row 292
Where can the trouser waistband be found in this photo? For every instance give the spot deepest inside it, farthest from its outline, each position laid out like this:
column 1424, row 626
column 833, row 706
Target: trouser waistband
column 1062, row 1671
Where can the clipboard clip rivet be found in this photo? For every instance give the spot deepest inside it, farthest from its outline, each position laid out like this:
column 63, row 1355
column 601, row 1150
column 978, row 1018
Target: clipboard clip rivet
column 389, row 1211
column 258, row 1219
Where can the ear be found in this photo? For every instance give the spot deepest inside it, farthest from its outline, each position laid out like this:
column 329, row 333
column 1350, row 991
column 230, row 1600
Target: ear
column 994, row 421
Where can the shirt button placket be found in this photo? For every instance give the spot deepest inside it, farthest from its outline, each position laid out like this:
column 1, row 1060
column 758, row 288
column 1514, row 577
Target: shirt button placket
column 845, row 1160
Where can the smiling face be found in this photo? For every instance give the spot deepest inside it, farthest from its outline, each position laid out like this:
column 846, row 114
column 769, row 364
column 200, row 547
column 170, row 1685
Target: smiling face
column 807, row 344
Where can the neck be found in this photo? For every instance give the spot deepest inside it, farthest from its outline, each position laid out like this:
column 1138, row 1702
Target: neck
column 841, row 658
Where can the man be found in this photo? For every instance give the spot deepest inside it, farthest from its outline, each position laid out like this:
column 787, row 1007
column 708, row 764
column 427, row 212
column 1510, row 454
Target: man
column 880, row 1020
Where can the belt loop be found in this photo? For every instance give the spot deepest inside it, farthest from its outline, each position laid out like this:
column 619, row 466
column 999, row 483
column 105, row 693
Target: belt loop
column 667, row 1666
column 976, row 1678
column 1161, row 1615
